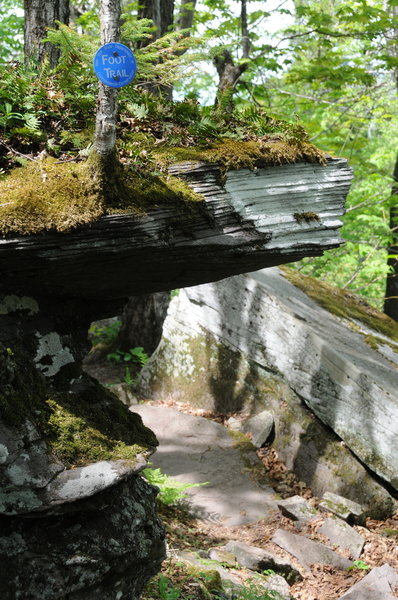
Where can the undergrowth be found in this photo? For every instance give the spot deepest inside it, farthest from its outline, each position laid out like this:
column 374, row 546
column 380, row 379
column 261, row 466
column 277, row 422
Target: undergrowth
column 47, row 120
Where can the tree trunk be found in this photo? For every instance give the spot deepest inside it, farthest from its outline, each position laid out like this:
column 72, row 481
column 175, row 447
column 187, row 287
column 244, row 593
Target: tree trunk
column 142, row 319
column 161, row 12
column 39, row 16
column 391, row 298
column 105, row 125
column 186, row 15
column 229, row 73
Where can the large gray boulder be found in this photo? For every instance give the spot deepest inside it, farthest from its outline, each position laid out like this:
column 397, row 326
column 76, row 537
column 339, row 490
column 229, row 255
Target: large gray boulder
column 107, row 548
column 257, row 342
column 77, row 520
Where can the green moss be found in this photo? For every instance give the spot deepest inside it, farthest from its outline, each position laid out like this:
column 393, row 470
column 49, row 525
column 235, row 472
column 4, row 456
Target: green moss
column 342, row 303
column 236, row 154
column 388, row 532
column 306, row 216
column 79, row 428
column 73, row 440
column 47, row 195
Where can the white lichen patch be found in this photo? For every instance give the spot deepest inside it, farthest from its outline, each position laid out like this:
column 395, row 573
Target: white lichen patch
column 12, row 303
column 3, row 454
column 12, row 503
column 55, row 354
column 86, row 481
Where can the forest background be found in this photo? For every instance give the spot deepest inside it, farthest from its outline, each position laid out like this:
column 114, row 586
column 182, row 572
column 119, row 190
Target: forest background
column 329, row 65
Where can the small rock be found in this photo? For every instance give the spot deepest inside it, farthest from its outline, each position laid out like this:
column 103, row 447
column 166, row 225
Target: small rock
column 297, row 509
column 276, row 583
column 375, row 586
column 260, row 427
column 234, row 424
column 124, row 392
column 193, row 559
column 307, row 551
column 343, row 535
column 223, row 556
column 257, row 559
column 348, row 510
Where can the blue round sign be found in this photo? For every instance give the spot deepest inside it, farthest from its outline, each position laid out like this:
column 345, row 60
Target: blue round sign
column 115, row 65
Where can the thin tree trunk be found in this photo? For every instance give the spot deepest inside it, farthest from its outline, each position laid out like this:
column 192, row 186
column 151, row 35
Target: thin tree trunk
column 39, row 16
column 105, row 125
column 161, row 12
column 228, row 72
column 391, row 298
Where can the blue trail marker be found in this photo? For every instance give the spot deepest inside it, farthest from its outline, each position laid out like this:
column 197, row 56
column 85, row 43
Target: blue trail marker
column 115, row 65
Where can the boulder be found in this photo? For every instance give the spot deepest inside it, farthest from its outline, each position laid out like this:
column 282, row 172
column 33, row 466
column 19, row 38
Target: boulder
column 107, row 548
column 259, row 427
column 77, row 520
column 341, row 535
column 377, row 585
column 297, row 509
column 258, row 559
column 248, row 219
column 257, row 342
column 307, row 551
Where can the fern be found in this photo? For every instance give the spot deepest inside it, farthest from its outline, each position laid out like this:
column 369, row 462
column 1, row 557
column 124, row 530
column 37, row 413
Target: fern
column 170, row 490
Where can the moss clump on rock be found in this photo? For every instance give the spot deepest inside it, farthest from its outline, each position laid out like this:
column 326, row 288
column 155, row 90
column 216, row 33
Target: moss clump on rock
column 88, row 425
column 237, row 154
column 342, row 303
column 74, row 440
column 48, row 195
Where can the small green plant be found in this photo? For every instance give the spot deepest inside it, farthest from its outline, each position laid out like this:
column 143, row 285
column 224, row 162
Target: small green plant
column 135, row 355
column 128, row 377
column 254, row 591
column 359, row 564
column 104, row 334
column 171, row 490
column 166, row 589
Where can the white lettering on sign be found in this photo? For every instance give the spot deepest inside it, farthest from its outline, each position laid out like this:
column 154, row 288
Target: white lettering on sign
column 112, row 60
column 110, row 73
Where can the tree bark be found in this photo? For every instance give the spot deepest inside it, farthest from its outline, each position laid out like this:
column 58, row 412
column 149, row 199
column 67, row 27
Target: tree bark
column 161, row 12
column 186, row 15
column 228, row 72
column 142, row 321
column 391, row 298
column 105, row 127
column 39, row 16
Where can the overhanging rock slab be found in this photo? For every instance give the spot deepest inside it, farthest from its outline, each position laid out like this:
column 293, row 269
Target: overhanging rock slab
column 255, row 219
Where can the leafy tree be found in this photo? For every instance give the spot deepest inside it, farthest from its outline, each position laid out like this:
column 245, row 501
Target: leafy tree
column 11, row 31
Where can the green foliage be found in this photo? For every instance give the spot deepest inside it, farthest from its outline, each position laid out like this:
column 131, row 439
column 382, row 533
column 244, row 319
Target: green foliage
column 104, row 334
column 171, row 490
column 192, row 583
column 11, row 31
column 135, row 355
column 360, row 565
